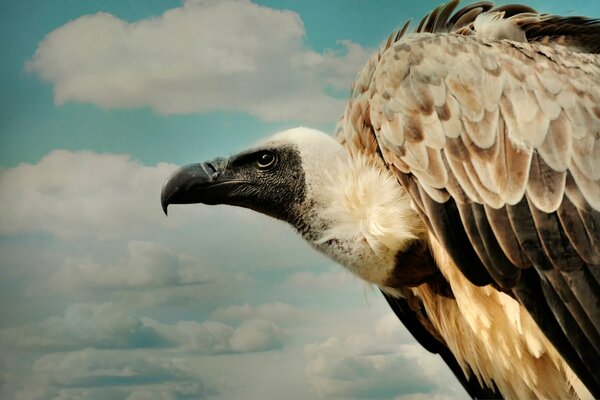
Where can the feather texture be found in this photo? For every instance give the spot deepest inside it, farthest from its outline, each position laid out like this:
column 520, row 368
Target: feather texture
column 493, row 129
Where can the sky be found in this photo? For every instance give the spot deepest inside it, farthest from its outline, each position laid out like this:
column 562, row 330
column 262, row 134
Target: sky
column 101, row 295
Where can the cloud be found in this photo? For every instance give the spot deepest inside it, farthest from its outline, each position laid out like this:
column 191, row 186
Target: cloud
column 171, row 391
column 378, row 366
column 276, row 311
column 164, row 391
column 106, row 325
column 111, row 326
column 97, row 374
column 204, row 56
column 213, row 337
column 337, row 276
column 389, row 329
column 146, row 265
column 257, row 335
column 83, row 194
column 147, row 275
column 354, row 367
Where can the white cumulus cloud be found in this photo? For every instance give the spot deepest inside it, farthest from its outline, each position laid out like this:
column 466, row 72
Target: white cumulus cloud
column 103, row 374
column 213, row 337
column 257, row 335
column 146, row 265
column 105, row 325
column 206, row 55
column 377, row 366
column 83, row 194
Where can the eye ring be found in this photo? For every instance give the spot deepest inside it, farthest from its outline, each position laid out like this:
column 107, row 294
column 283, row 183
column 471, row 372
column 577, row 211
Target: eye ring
column 266, row 159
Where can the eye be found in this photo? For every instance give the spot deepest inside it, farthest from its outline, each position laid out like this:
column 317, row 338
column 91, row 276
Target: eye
column 265, row 159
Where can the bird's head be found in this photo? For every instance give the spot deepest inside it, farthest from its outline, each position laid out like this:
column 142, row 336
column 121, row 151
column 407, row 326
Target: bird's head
column 349, row 207
column 277, row 177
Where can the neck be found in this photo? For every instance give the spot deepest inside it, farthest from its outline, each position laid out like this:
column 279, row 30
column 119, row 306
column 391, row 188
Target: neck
column 361, row 218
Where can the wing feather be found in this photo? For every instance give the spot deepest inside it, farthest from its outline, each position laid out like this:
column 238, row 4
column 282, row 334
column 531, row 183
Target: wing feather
column 581, row 361
column 488, row 196
column 449, row 116
column 591, row 222
column 500, row 223
column 445, row 214
column 587, row 325
column 516, row 165
column 530, row 289
column 546, row 186
column 502, row 270
column 481, row 237
column 590, row 189
column 432, row 126
column 456, row 152
column 557, row 147
column 498, row 143
column 574, row 228
column 453, row 186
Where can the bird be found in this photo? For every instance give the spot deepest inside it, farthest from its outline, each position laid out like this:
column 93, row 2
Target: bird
column 463, row 181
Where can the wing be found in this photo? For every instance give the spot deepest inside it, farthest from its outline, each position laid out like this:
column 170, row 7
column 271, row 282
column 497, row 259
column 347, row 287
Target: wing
column 412, row 320
column 498, row 143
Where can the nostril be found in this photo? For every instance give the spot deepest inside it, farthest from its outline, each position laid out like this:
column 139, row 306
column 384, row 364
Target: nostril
column 211, row 168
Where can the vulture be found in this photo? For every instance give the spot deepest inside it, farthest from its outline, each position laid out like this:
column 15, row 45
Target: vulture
column 463, row 180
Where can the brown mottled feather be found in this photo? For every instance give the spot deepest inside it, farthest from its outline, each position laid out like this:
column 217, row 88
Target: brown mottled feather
column 557, row 146
column 498, row 144
column 545, row 186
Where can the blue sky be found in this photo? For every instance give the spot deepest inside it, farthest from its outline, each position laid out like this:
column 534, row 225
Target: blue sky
column 101, row 296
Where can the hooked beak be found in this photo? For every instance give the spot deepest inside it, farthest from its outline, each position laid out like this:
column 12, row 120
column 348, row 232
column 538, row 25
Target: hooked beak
column 197, row 183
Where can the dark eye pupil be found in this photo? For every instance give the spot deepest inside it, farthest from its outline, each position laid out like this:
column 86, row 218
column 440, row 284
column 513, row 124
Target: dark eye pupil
column 266, row 159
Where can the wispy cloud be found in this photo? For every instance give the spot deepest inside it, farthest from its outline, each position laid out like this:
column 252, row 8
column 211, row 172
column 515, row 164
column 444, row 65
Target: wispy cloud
column 323, row 280
column 276, row 311
column 204, row 56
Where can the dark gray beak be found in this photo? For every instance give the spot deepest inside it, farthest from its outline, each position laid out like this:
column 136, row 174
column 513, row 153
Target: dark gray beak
column 196, row 183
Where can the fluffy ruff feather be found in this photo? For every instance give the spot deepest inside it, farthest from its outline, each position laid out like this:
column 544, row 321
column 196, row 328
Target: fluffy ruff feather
column 368, row 204
column 367, row 212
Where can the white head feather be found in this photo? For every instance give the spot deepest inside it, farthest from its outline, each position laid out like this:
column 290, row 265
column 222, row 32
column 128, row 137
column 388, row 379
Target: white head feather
column 359, row 215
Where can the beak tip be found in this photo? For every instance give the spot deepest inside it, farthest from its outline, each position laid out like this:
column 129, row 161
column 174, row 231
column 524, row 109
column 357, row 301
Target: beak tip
column 164, row 203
